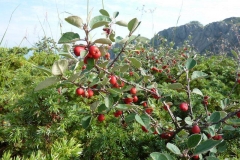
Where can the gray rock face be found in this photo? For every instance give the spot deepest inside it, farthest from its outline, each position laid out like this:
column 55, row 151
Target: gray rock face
column 215, row 37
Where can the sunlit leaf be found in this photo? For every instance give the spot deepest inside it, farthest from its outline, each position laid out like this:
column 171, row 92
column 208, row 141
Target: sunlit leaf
column 46, row 83
column 75, row 20
column 69, row 37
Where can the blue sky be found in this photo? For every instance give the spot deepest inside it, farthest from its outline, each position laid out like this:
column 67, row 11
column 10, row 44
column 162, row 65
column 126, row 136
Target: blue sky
column 155, row 15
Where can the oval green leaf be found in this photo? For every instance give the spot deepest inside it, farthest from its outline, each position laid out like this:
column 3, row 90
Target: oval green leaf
column 99, row 21
column 132, row 24
column 190, row 63
column 86, row 121
column 215, row 117
column 139, row 120
column 158, row 156
column 104, row 12
column 175, row 86
column 206, row 146
column 75, row 20
column 194, row 140
column 197, row 91
column 69, row 37
column 173, row 148
column 46, row 83
column 135, row 62
column 115, row 14
column 59, row 67
column 103, row 41
column 122, row 23
column 198, row 74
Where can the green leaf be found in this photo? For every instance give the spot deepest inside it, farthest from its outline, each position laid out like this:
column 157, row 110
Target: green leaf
column 173, row 148
column 111, row 37
column 175, row 86
column 124, row 68
column 118, row 39
column 46, row 83
column 139, row 120
column 197, row 91
column 188, row 120
column 102, row 108
column 73, row 77
column 122, row 23
column 228, row 128
column 206, row 146
column 69, row 37
column 235, row 122
column 198, row 74
column 211, row 158
column 86, row 121
column 158, row 156
column 99, row 21
column 190, row 63
column 124, row 106
column 130, row 117
column 65, row 54
column 90, row 63
column 222, row 146
column 132, row 24
column 215, row 117
column 115, row 14
column 194, row 140
column 224, row 103
column 114, row 91
column 59, row 67
column 104, row 12
column 235, row 54
column 146, row 120
column 103, row 41
column 75, row 20
column 108, row 101
column 135, row 62
column 44, row 69
column 94, row 105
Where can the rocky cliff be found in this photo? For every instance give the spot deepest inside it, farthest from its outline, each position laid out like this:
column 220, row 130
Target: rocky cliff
column 221, row 36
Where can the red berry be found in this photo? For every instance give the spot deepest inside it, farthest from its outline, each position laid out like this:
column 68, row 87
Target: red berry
column 94, row 52
column 238, row 81
column 117, row 113
column 135, row 99
column 238, row 114
column 144, row 129
column 107, row 55
column 165, row 107
column 149, row 110
column 84, row 67
column 89, row 93
column 131, row 73
column 133, row 90
column 128, row 100
column 113, row 80
column 195, row 157
column 166, row 135
column 80, row 91
column 183, row 106
column 164, row 67
column 144, row 104
column 196, row 129
column 155, row 69
column 205, row 97
column 101, row 117
column 217, row 137
column 77, row 50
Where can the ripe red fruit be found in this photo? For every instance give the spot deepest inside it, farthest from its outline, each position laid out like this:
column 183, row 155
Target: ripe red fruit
column 183, row 106
column 144, row 129
column 135, row 99
column 95, row 52
column 217, row 137
column 196, row 129
column 144, row 104
column 166, row 135
column 155, row 69
column 238, row 114
column 164, row 67
column 131, row 73
column 165, row 107
column 205, row 102
column 149, row 110
column 77, row 50
column 195, row 157
column 107, row 55
column 117, row 113
column 128, row 100
column 113, row 80
column 80, row 91
column 84, row 67
column 238, row 81
column 101, row 117
column 89, row 93
column 205, row 97
column 133, row 90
